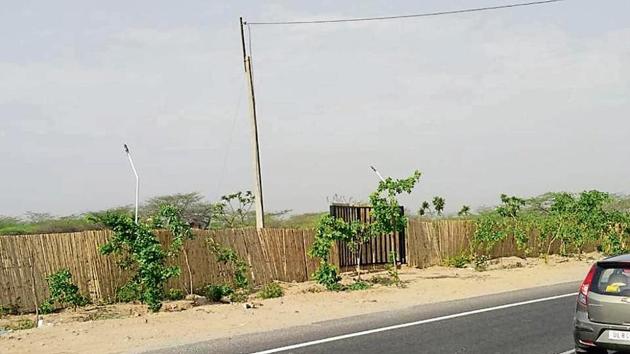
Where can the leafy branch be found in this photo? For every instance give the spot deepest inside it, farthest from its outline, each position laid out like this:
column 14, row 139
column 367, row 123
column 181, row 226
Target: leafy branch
column 170, row 217
column 142, row 253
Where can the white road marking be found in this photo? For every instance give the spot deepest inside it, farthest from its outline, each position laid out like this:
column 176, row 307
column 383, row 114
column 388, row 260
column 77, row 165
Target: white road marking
column 409, row 324
column 568, row 352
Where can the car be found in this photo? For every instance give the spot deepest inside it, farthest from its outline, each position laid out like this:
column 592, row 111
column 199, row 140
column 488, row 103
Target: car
column 602, row 316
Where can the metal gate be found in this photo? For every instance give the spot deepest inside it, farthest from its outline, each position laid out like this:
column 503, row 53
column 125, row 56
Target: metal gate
column 377, row 250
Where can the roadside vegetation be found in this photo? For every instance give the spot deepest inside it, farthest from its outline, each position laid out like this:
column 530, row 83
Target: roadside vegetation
column 37, row 223
column 230, row 211
column 571, row 222
column 271, row 290
column 566, row 223
column 561, row 223
column 139, row 251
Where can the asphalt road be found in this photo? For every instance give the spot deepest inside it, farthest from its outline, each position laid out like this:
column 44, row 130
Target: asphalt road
column 529, row 321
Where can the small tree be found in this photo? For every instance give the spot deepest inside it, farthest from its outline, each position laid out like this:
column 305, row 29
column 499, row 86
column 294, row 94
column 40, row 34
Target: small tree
column 438, row 205
column 193, row 209
column 357, row 233
column 503, row 221
column 425, row 208
column 388, row 218
column 233, row 210
column 329, row 229
column 229, row 257
column 464, row 211
column 142, row 253
column 63, row 292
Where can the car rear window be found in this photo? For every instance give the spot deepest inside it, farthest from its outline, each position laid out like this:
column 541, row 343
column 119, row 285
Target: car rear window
column 612, row 279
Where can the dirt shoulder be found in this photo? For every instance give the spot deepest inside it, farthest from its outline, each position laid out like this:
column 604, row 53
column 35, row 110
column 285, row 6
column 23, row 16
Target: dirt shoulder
column 128, row 328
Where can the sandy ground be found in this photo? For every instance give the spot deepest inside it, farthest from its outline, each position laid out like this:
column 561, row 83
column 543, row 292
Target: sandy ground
column 129, row 328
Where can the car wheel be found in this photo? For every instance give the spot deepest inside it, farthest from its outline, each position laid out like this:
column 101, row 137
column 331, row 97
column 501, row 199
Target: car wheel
column 579, row 350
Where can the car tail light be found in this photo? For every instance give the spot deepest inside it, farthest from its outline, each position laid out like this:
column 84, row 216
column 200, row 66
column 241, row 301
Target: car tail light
column 587, row 342
column 586, row 285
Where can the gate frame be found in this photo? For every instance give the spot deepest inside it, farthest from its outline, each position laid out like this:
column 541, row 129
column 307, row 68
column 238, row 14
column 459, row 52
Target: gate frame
column 376, row 251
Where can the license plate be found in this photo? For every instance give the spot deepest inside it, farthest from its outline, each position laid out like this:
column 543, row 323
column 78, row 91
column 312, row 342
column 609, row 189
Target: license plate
column 619, row 335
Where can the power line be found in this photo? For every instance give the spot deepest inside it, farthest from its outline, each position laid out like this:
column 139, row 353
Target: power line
column 383, row 18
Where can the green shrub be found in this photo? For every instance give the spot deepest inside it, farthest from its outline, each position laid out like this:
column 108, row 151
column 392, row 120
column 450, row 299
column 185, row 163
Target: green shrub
column 16, row 230
column 239, row 295
column 271, row 291
column 141, row 253
column 128, row 293
column 381, row 280
column 481, row 263
column 457, row 261
column 358, row 285
column 63, row 291
column 21, row 324
column 229, row 257
column 327, row 276
column 44, row 224
column 10, row 309
column 175, row 294
column 216, row 292
column 46, row 307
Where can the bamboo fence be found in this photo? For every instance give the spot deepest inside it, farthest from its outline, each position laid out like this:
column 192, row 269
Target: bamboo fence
column 26, row 261
column 273, row 254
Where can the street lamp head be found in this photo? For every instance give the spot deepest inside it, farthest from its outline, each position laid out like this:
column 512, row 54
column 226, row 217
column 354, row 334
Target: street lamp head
column 126, row 148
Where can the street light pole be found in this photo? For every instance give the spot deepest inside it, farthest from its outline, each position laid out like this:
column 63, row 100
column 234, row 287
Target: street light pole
column 137, row 180
column 377, row 173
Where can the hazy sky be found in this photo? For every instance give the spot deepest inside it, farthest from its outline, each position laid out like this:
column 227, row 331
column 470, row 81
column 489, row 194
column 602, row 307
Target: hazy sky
column 518, row 101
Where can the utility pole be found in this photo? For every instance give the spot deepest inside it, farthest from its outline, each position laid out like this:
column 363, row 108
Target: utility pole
column 258, row 194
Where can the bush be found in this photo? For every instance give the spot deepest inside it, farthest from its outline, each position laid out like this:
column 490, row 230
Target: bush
column 271, row 290
column 327, row 276
column 44, row 225
column 381, row 280
column 229, row 257
column 128, row 293
column 63, row 291
column 175, row 294
column 21, row 324
column 46, row 307
column 359, row 285
column 216, row 292
column 481, row 263
column 457, row 261
column 10, row 309
column 572, row 221
column 141, row 253
column 240, row 295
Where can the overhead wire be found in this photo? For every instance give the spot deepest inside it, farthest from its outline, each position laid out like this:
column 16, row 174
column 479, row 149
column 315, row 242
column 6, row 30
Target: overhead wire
column 383, row 18
column 248, row 24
